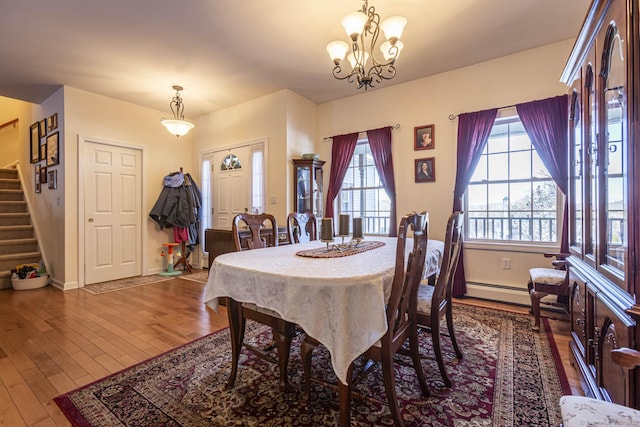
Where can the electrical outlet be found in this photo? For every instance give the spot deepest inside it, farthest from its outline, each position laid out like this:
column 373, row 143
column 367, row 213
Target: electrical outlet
column 273, row 200
column 506, row 263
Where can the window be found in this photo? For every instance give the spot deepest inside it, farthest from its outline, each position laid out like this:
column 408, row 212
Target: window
column 362, row 194
column 257, row 179
column 205, row 220
column 511, row 196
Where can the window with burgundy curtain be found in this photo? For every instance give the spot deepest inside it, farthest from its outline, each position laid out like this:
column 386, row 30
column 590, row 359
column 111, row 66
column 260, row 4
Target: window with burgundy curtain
column 473, row 132
column 367, row 180
column 547, row 124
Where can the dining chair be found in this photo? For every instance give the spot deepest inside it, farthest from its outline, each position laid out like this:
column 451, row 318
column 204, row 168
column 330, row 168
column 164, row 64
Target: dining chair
column 435, row 301
column 301, row 227
column 549, row 281
column 264, row 233
column 401, row 326
column 585, row 411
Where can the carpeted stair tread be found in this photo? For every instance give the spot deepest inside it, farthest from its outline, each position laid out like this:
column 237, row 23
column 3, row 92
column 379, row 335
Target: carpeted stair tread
column 19, row 255
column 13, row 206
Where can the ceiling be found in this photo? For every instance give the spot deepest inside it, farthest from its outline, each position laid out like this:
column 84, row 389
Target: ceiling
column 225, row 52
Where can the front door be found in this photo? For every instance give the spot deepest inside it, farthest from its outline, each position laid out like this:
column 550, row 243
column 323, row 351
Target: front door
column 112, row 212
column 231, row 177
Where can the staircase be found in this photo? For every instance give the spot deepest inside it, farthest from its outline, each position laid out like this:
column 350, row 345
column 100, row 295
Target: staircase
column 18, row 244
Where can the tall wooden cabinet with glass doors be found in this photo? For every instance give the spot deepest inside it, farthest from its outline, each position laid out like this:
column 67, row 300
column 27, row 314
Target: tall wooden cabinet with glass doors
column 604, row 197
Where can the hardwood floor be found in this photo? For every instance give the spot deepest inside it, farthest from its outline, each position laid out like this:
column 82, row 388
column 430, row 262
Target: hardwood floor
column 52, row 341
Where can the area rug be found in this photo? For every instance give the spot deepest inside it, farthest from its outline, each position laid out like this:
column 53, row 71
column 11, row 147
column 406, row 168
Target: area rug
column 508, row 377
column 132, row 282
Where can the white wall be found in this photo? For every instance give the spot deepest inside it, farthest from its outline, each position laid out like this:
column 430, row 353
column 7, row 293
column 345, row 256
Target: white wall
column 98, row 117
column 522, row 77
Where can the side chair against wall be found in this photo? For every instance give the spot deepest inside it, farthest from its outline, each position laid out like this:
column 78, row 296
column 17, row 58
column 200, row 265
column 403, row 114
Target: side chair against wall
column 301, row 227
column 400, row 311
column 283, row 331
column 435, row 302
column 549, row 281
column 585, row 411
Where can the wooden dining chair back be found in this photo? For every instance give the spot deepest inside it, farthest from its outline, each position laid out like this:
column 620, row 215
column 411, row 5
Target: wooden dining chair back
column 435, row 302
column 264, row 233
column 301, row 227
column 401, row 323
column 263, row 228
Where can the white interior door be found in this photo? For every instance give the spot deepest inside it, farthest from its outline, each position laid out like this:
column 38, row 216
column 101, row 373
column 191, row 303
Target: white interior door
column 231, row 176
column 113, row 205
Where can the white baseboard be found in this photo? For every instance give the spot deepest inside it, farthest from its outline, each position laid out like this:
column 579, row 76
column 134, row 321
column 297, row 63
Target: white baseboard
column 500, row 293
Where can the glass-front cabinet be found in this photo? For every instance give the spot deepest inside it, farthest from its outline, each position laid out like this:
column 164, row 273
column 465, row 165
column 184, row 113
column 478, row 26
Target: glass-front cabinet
column 604, row 79
column 307, row 188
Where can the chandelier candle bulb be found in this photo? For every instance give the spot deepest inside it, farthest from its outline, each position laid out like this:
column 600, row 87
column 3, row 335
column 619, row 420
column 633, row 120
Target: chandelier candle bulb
column 357, row 228
column 344, row 225
column 326, row 232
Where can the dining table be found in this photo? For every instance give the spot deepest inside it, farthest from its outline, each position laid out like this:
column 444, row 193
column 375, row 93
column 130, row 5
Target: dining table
column 336, row 298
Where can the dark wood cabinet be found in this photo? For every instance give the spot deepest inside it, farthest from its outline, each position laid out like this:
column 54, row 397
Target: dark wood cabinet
column 307, row 189
column 218, row 241
column 603, row 74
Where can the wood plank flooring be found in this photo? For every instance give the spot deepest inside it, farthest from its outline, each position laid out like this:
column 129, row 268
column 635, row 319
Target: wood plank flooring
column 52, row 341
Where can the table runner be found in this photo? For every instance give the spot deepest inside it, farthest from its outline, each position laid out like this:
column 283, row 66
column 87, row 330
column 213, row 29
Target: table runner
column 339, row 250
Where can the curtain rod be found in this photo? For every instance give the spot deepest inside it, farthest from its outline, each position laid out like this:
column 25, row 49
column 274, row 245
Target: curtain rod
column 453, row 116
column 396, row 126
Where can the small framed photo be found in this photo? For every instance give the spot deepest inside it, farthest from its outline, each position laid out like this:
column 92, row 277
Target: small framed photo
column 35, row 142
column 38, row 187
column 37, row 177
column 53, row 149
column 52, row 122
column 43, row 151
column 43, row 175
column 53, row 179
column 424, row 137
column 43, row 128
column 425, row 169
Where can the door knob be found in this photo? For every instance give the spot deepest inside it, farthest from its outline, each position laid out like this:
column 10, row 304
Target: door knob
column 90, row 219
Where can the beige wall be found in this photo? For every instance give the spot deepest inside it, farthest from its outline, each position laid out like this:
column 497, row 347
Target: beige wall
column 522, row 77
column 292, row 125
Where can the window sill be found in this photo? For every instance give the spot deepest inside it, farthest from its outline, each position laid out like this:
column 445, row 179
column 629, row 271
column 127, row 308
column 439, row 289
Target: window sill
column 527, row 247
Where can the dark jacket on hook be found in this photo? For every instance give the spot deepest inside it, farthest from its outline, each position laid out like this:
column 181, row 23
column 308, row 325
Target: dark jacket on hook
column 179, row 205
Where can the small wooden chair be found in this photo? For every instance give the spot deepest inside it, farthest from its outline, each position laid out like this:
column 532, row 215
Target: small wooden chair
column 301, row 227
column 549, row 281
column 283, row 331
column 435, row 302
column 585, row 411
column 401, row 321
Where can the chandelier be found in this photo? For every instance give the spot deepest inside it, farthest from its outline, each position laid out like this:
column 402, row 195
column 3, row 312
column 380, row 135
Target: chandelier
column 177, row 126
column 363, row 28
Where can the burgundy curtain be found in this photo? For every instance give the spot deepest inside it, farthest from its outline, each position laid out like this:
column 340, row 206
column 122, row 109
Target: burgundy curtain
column 341, row 153
column 473, row 133
column 547, row 124
column 380, row 143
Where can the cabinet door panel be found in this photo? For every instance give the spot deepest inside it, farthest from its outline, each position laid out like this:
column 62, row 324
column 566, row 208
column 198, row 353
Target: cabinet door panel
column 613, row 331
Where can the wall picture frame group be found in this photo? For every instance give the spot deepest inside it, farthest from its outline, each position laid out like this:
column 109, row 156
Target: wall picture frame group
column 424, row 137
column 425, row 169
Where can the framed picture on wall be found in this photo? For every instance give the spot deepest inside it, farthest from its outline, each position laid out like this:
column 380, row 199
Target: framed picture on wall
column 43, row 128
column 53, row 149
column 36, row 178
column 53, row 179
column 35, row 142
column 424, row 137
column 52, row 122
column 425, row 169
column 43, row 175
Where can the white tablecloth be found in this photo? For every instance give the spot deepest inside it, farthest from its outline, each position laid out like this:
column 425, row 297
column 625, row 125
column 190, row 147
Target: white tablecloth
column 338, row 301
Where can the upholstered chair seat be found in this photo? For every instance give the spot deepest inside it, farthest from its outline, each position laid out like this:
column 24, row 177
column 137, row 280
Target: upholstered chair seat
column 580, row 411
column 545, row 281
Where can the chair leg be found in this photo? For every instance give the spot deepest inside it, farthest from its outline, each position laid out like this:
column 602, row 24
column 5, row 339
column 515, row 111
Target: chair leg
column 388, row 374
column 417, row 363
column 535, row 306
column 306, row 354
column 236, row 329
column 452, row 332
column 437, row 349
column 344, row 394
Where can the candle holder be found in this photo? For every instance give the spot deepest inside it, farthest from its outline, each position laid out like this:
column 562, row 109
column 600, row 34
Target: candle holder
column 355, row 241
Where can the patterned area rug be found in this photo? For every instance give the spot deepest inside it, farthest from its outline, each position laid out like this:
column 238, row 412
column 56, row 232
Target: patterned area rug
column 508, row 377
column 131, row 282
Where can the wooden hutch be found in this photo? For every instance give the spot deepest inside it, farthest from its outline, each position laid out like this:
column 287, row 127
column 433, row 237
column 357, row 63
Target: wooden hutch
column 603, row 73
